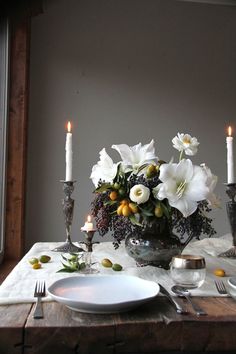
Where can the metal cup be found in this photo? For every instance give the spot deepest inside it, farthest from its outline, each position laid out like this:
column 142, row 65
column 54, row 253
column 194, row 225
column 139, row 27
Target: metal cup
column 187, row 261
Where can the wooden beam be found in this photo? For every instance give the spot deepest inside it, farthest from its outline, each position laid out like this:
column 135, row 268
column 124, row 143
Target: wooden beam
column 17, row 142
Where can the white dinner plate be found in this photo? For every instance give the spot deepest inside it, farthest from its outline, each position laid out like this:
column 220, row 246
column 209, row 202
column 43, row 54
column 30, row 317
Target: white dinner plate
column 232, row 282
column 103, row 293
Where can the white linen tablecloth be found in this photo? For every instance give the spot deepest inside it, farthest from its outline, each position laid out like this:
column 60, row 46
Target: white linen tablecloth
column 18, row 287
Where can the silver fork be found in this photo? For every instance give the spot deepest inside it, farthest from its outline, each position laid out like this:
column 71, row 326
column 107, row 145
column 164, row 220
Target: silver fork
column 220, row 286
column 39, row 292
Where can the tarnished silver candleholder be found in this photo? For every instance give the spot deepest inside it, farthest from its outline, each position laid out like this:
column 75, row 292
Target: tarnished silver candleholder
column 231, row 212
column 89, row 249
column 68, row 209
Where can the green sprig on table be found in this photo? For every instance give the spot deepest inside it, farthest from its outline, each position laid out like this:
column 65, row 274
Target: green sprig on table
column 73, row 263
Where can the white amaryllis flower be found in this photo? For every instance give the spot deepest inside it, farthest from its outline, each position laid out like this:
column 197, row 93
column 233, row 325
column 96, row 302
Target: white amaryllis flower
column 139, row 194
column 211, row 181
column 184, row 142
column 137, row 155
column 184, row 184
column 105, row 169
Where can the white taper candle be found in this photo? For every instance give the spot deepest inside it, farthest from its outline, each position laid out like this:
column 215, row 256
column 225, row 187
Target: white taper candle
column 69, row 153
column 230, row 158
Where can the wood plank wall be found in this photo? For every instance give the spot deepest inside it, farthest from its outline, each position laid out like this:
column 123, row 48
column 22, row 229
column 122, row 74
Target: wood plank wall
column 17, row 139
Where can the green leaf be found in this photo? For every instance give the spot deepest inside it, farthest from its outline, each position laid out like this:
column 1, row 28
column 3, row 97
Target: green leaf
column 142, row 167
column 65, row 258
column 165, row 210
column 104, row 187
column 110, row 202
column 147, row 212
column 66, row 270
column 134, row 220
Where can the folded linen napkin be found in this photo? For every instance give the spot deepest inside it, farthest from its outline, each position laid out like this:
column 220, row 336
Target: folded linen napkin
column 18, row 287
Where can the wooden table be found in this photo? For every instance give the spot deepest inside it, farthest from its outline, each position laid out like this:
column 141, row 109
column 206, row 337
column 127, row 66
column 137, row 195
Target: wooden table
column 152, row 328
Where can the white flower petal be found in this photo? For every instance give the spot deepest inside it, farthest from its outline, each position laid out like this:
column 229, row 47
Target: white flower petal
column 167, row 171
column 184, row 142
column 184, row 170
column 139, row 194
column 105, row 169
column 185, row 206
column 136, row 155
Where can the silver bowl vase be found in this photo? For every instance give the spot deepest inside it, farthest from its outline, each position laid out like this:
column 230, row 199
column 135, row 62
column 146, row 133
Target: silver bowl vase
column 154, row 244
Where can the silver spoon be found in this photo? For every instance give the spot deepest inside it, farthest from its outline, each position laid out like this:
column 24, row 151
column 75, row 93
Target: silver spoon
column 182, row 291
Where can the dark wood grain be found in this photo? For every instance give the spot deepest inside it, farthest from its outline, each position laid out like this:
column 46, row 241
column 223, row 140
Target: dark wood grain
column 64, row 331
column 12, row 321
column 152, row 328
column 17, row 130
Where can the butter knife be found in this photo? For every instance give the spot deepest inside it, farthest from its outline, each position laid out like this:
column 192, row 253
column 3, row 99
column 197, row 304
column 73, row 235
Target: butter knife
column 179, row 309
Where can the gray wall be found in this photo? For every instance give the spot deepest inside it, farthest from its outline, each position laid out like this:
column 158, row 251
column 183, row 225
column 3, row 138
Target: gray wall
column 124, row 72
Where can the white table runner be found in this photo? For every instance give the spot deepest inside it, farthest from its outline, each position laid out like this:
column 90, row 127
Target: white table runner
column 18, row 287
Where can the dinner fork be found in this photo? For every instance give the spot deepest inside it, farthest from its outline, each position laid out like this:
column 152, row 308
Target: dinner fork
column 220, row 286
column 39, row 292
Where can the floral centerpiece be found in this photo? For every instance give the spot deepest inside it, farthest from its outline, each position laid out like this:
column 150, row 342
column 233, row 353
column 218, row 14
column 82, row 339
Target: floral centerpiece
column 142, row 194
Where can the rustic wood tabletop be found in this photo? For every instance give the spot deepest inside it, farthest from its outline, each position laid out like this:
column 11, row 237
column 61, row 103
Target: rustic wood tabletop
column 154, row 327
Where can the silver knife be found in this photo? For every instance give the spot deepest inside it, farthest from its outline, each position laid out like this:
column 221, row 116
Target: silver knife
column 179, row 309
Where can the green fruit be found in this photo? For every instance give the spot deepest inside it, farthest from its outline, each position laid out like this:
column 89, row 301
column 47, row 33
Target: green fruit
column 121, row 191
column 117, row 267
column 116, row 185
column 44, row 258
column 106, row 263
column 151, row 171
column 33, row 260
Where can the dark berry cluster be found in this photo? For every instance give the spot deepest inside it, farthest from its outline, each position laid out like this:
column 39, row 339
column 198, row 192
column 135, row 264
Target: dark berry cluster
column 141, row 179
column 194, row 225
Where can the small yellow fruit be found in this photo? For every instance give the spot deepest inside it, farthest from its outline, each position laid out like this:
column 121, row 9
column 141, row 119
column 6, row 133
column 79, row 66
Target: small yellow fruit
column 219, row 272
column 113, row 195
column 33, row 260
column 117, row 267
column 126, row 210
column 158, row 211
column 36, row 266
column 124, row 201
column 133, row 207
column 106, row 263
column 119, row 210
column 44, row 258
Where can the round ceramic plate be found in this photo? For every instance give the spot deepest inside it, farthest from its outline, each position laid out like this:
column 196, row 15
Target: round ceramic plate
column 103, row 293
column 232, row 282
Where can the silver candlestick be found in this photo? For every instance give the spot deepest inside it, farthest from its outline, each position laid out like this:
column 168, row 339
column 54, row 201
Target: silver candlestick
column 68, row 208
column 89, row 249
column 231, row 212
column 89, row 237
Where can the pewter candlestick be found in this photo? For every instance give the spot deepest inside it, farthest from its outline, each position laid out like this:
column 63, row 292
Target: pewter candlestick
column 89, row 236
column 231, row 212
column 68, row 208
column 89, row 249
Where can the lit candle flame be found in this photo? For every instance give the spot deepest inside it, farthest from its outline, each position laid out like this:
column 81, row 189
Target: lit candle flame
column 89, row 218
column 229, row 131
column 69, row 127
